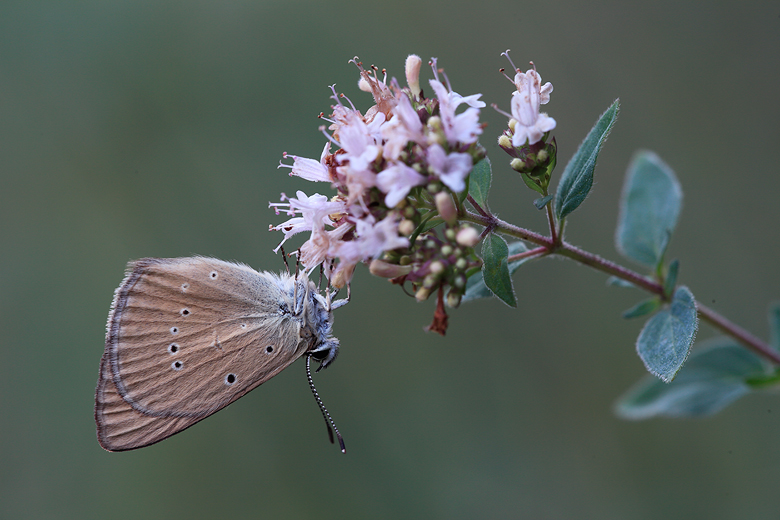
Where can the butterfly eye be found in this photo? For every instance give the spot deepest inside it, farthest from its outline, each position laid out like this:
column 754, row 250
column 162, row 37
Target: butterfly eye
column 230, row 379
column 177, row 365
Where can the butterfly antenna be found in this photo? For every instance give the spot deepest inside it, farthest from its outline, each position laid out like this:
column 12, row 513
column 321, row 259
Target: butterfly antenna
column 284, row 257
column 328, row 419
column 297, row 261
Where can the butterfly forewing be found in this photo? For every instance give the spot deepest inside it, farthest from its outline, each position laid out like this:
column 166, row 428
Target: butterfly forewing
column 188, row 336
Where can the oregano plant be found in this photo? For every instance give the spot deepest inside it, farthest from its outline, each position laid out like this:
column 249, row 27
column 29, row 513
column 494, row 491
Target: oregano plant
column 412, row 184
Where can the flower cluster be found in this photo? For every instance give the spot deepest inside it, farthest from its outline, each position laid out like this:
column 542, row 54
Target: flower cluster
column 398, row 169
column 526, row 137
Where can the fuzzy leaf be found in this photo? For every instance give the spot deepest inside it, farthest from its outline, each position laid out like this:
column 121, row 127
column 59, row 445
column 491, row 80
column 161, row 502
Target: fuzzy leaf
column 577, row 177
column 495, row 269
column 671, row 276
column 479, row 184
column 475, row 286
column 666, row 338
column 531, row 183
column 614, row 281
column 716, row 375
column 541, row 202
column 642, row 308
column 649, row 207
column 774, row 325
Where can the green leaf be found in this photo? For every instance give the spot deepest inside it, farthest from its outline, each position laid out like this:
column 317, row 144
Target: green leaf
column 531, row 183
column 428, row 221
column 649, row 207
column 475, row 286
column 465, row 193
column 541, row 202
column 774, row 325
column 479, row 183
column 716, row 375
column 666, row 338
column 642, row 308
column 495, row 276
column 577, row 178
column 671, row 277
column 619, row 282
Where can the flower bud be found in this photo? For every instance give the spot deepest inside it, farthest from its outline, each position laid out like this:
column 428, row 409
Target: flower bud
column 446, row 207
column 504, row 141
column 436, row 267
column 517, row 165
column 453, row 299
column 422, row 294
column 413, row 63
column 468, row 236
column 406, row 227
column 384, row 269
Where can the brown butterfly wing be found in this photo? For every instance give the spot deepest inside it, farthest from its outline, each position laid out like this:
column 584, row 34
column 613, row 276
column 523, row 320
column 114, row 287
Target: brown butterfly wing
column 120, row 427
column 186, row 337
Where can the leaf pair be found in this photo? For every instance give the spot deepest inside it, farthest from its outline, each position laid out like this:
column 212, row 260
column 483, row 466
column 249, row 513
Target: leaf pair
column 718, row 373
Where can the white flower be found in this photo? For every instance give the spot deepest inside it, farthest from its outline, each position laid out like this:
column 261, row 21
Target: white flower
column 531, row 124
column 371, row 240
column 314, row 213
column 315, row 250
column 404, row 126
column 452, row 169
column 310, row 169
column 396, row 181
column 458, row 128
column 531, row 77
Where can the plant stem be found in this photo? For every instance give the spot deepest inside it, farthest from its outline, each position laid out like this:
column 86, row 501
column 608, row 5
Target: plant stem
column 737, row 332
column 567, row 250
column 539, row 251
column 551, row 220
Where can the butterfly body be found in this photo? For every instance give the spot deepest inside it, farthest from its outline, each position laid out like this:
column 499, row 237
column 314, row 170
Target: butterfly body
column 188, row 336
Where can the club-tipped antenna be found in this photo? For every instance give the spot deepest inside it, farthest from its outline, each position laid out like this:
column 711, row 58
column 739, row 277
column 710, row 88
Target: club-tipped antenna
column 328, row 419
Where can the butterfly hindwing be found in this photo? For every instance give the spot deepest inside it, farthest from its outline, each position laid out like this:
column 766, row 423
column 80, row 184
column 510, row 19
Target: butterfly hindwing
column 186, row 337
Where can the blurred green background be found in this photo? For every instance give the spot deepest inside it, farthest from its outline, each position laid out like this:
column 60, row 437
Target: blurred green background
column 132, row 129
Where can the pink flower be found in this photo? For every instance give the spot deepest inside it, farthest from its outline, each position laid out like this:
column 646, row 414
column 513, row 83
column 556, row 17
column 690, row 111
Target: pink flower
column 310, row 169
column 396, row 181
column 371, row 240
column 458, row 128
column 314, row 213
column 526, row 101
column 452, row 169
column 403, row 127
